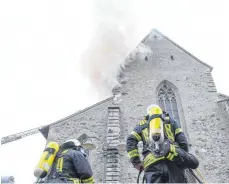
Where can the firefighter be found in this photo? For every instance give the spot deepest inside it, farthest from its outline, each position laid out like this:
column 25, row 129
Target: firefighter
column 167, row 167
column 70, row 165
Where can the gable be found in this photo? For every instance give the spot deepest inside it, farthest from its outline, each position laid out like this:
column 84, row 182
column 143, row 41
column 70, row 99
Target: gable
column 157, row 34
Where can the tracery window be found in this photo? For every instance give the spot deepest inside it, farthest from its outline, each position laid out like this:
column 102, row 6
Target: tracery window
column 167, row 101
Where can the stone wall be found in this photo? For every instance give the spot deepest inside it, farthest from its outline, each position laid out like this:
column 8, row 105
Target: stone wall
column 204, row 122
column 224, row 106
column 93, row 122
column 197, row 101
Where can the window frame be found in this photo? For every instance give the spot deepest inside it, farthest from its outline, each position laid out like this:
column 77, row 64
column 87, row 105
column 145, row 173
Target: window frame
column 167, row 100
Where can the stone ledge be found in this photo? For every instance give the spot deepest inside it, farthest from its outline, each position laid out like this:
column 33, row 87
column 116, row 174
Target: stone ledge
column 113, row 173
column 113, row 169
column 113, row 165
column 113, row 178
column 113, row 160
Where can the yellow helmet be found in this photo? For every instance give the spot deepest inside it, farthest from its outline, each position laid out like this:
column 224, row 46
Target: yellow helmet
column 154, row 109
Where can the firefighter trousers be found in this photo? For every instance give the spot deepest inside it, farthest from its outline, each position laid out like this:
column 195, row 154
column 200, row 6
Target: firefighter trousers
column 164, row 172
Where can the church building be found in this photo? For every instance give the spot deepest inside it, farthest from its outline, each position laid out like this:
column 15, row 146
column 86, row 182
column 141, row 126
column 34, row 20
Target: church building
column 166, row 75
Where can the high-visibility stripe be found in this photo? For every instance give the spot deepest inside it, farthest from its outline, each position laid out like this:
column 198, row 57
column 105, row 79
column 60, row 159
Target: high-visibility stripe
column 133, row 153
column 136, row 135
column 170, row 156
column 150, row 159
column 75, row 180
column 59, row 166
column 142, row 122
column 89, row 180
column 65, row 151
column 172, row 153
column 169, row 132
column 145, row 134
column 61, row 163
column 172, row 148
column 178, row 130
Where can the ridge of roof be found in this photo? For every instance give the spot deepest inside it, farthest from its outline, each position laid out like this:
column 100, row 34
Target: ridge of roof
column 81, row 111
column 197, row 59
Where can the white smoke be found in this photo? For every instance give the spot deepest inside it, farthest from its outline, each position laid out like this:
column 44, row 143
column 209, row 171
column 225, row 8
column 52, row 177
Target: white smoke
column 114, row 36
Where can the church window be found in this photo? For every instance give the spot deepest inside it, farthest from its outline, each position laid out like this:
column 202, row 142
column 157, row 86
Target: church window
column 167, row 101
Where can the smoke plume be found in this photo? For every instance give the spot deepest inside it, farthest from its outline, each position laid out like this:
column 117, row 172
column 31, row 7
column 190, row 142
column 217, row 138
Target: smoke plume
column 114, row 37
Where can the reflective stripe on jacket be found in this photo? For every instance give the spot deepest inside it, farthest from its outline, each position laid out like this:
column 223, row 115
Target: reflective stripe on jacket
column 71, row 165
column 173, row 133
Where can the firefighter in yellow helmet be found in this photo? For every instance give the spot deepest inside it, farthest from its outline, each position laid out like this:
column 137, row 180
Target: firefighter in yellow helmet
column 70, row 165
column 165, row 148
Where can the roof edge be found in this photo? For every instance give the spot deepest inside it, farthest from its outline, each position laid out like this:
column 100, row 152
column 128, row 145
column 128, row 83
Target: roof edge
column 45, row 128
column 44, row 131
column 81, row 111
column 222, row 97
column 197, row 59
column 221, row 94
column 223, row 100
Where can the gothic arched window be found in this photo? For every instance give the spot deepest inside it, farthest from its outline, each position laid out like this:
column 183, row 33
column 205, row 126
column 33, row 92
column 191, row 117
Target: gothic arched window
column 167, row 101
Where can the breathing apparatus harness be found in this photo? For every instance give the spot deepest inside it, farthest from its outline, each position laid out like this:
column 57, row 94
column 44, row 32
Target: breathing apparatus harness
column 64, row 150
column 158, row 140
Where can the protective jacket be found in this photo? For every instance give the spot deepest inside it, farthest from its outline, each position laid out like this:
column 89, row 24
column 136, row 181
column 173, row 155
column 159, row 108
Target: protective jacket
column 70, row 166
column 173, row 134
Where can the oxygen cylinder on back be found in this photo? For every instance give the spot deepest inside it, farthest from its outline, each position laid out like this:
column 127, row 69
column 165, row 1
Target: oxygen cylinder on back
column 46, row 160
column 156, row 130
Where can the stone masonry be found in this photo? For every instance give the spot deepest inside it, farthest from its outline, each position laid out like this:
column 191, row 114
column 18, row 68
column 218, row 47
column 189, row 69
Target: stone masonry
column 204, row 117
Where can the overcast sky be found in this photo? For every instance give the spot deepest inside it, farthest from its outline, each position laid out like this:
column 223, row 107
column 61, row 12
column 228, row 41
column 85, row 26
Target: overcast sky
column 41, row 43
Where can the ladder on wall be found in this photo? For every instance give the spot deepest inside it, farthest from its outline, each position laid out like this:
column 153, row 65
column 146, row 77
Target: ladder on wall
column 113, row 158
